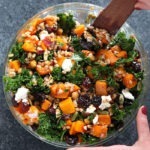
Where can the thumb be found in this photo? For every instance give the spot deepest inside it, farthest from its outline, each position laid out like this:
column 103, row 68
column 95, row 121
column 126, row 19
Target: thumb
column 142, row 124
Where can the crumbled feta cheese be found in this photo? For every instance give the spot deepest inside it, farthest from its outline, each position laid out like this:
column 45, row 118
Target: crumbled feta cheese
column 105, row 102
column 58, row 113
column 104, row 105
column 67, row 65
column 43, row 34
column 106, row 98
column 45, row 56
column 127, row 94
column 22, row 95
column 95, row 120
column 90, row 109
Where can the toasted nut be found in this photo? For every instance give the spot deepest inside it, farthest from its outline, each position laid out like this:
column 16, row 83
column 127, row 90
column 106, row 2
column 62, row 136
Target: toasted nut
column 75, row 95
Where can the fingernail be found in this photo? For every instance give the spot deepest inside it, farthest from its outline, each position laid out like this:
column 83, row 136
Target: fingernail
column 144, row 110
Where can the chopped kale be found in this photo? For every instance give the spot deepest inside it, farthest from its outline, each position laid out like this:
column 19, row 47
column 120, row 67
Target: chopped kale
column 118, row 114
column 131, row 56
column 51, row 55
column 66, row 22
column 75, row 43
column 124, row 42
column 57, row 74
column 89, row 139
column 25, row 79
column 76, row 75
column 50, row 128
column 18, row 53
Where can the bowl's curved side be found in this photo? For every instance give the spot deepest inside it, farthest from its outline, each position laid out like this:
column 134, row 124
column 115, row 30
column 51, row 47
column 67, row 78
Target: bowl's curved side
column 80, row 12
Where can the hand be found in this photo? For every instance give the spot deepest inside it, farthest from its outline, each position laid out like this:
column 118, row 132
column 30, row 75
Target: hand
column 142, row 4
column 143, row 136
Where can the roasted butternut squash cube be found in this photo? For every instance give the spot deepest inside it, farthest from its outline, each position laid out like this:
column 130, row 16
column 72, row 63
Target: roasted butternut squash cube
column 15, row 64
column 101, row 87
column 77, row 127
column 129, row 81
column 59, row 91
column 79, row 30
column 99, row 131
column 67, row 106
column 29, row 47
column 104, row 120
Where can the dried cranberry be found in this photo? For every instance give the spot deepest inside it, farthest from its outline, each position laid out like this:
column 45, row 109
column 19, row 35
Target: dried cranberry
column 71, row 139
column 87, row 82
column 51, row 110
column 34, row 127
column 71, row 49
column 39, row 96
column 51, row 29
column 14, row 103
column 39, row 52
column 84, row 101
column 23, row 107
column 96, row 101
column 136, row 66
column 65, row 117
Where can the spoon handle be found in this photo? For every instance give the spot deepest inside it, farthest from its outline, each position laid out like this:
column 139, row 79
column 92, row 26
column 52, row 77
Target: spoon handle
column 114, row 15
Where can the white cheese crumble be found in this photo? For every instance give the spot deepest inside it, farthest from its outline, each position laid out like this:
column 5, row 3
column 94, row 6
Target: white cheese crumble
column 43, row 34
column 22, row 95
column 95, row 120
column 127, row 94
column 58, row 113
column 105, row 102
column 45, row 56
column 90, row 109
column 67, row 65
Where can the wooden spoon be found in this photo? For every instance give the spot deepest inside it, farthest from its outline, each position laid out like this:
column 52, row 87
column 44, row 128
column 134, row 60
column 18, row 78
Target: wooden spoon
column 114, row 15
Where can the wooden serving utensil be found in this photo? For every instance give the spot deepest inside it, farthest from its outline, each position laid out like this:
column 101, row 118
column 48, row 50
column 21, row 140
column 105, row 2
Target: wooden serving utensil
column 114, row 15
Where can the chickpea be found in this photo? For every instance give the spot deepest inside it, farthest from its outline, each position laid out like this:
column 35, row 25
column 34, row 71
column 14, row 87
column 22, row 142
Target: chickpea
column 32, row 64
column 75, row 95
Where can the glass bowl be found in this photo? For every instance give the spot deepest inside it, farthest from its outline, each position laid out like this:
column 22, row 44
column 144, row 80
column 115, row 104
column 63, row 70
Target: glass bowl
column 80, row 11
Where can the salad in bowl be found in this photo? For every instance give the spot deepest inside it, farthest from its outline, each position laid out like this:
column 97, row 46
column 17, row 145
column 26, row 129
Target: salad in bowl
column 72, row 83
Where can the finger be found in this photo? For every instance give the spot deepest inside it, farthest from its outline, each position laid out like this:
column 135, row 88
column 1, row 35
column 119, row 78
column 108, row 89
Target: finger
column 142, row 124
column 115, row 147
column 140, row 5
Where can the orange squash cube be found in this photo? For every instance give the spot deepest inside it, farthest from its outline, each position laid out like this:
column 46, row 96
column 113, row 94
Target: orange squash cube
column 29, row 47
column 99, row 131
column 79, row 30
column 101, row 88
column 104, row 120
column 59, row 91
column 46, row 104
column 77, row 127
column 67, row 106
column 129, row 81
column 15, row 64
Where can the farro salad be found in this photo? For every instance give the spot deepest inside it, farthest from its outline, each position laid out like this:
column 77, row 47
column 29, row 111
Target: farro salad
column 71, row 82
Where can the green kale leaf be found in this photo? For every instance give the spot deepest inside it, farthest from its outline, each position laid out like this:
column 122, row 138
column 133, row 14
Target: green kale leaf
column 124, row 42
column 76, row 75
column 18, row 53
column 57, row 74
column 50, row 128
column 75, row 43
column 66, row 22
column 25, row 79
